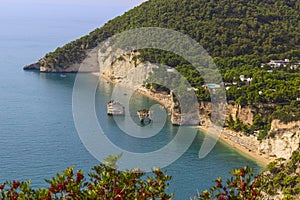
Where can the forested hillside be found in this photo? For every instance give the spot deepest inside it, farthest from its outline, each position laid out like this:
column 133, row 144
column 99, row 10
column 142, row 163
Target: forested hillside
column 263, row 29
column 238, row 34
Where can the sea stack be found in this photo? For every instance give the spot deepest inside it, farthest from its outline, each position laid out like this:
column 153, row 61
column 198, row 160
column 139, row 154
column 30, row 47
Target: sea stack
column 115, row 108
column 144, row 114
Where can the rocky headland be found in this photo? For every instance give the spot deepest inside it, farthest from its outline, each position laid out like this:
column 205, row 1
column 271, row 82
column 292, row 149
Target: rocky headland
column 131, row 73
column 286, row 140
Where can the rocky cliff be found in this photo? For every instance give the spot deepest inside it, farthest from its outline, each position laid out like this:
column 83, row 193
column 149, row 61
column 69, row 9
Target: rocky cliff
column 126, row 70
column 130, row 72
column 89, row 64
column 285, row 140
column 245, row 114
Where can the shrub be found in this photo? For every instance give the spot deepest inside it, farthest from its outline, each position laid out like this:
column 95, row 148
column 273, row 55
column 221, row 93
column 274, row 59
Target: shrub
column 105, row 182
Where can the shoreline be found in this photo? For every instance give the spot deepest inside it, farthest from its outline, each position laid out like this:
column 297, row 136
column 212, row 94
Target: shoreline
column 160, row 98
column 227, row 136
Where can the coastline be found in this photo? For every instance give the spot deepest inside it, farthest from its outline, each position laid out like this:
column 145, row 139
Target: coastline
column 232, row 139
column 160, row 98
column 229, row 138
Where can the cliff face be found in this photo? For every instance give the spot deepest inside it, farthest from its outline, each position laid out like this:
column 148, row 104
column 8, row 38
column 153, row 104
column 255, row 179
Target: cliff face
column 286, row 140
column 245, row 114
column 126, row 70
column 130, row 72
column 189, row 117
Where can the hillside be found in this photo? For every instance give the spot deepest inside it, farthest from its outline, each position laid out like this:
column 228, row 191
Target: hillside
column 263, row 29
column 239, row 35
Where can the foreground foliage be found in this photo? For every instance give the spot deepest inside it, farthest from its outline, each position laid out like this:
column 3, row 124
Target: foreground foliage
column 105, row 182
column 284, row 177
column 242, row 185
column 281, row 179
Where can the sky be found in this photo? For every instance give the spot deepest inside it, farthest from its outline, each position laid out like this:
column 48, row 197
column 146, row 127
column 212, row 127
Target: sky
column 62, row 20
column 51, row 8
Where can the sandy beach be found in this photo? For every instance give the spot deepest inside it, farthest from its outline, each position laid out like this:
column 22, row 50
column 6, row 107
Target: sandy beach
column 247, row 146
column 160, row 98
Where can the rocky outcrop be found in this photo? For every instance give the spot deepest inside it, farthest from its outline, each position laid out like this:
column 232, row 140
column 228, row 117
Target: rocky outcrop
column 245, row 114
column 285, row 140
column 89, row 64
column 144, row 114
column 183, row 114
column 115, row 108
column 33, row 66
column 126, row 70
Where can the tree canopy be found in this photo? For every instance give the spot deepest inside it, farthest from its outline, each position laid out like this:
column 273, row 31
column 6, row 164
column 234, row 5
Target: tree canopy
column 263, row 29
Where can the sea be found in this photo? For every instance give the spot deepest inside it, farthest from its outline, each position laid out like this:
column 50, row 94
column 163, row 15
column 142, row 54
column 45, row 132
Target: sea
column 38, row 137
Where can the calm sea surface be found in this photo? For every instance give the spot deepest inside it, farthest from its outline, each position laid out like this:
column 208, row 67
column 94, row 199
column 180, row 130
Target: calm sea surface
column 37, row 133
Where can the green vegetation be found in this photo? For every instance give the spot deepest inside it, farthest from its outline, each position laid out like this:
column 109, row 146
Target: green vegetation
column 287, row 113
column 281, row 177
column 238, row 34
column 242, row 185
column 106, row 182
column 260, row 125
column 284, row 176
column 278, row 86
column 262, row 29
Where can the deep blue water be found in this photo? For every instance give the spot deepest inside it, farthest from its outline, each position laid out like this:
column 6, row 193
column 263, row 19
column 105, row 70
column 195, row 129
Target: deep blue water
column 37, row 132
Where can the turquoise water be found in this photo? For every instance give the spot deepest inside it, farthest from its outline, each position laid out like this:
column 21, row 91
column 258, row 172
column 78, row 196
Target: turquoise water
column 37, row 133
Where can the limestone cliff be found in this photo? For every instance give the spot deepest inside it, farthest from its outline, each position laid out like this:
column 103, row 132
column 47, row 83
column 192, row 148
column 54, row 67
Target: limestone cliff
column 190, row 115
column 245, row 114
column 126, row 70
column 286, row 140
column 130, row 72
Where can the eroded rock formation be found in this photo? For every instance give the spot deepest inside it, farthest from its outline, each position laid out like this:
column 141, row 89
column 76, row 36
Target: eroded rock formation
column 285, row 140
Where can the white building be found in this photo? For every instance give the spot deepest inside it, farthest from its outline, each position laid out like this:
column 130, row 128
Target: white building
column 245, row 80
column 283, row 63
column 278, row 63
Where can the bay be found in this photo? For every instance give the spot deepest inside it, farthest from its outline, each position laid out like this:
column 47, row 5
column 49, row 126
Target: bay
column 37, row 132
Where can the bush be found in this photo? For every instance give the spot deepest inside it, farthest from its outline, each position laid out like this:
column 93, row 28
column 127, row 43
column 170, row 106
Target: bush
column 105, row 182
column 242, row 185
